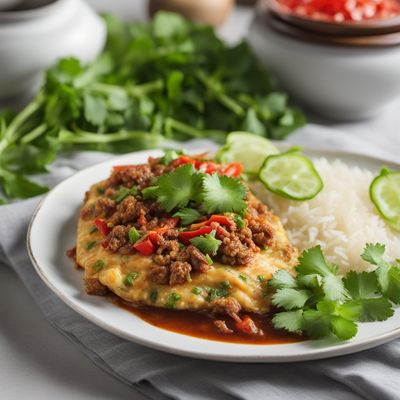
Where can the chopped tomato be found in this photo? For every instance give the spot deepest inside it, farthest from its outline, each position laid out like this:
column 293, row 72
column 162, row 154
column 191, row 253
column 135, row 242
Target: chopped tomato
column 102, row 226
column 181, row 160
column 247, row 325
column 142, row 220
column 145, row 247
column 187, row 235
column 207, row 167
column 234, row 169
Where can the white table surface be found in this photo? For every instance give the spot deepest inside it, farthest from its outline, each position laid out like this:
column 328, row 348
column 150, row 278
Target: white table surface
column 36, row 362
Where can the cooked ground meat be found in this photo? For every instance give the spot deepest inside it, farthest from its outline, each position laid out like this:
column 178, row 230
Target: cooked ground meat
column 196, row 258
column 105, row 207
column 159, row 274
column 237, row 247
column 135, row 175
column 94, row 287
column 87, row 211
column 222, row 327
column 117, row 238
column 261, row 230
column 228, row 305
column 179, row 272
column 167, row 253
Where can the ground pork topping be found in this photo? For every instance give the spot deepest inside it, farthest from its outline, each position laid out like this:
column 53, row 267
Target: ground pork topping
column 184, row 244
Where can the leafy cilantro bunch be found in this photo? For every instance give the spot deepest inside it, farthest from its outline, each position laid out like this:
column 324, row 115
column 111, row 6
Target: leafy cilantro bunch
column 191, row 193
column 167, row 78
column 319, row 302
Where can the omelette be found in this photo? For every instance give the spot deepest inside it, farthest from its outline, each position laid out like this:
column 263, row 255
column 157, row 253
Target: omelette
column 181, row 232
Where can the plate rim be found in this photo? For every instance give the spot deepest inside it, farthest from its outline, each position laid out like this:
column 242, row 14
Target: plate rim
column 321, row 353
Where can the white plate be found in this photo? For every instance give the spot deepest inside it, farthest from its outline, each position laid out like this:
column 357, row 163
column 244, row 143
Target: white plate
column 52, row 232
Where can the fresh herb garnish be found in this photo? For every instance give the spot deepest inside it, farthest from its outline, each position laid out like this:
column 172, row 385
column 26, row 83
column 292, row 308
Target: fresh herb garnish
column 170, row 155
column 223, row 194
column 187, row 215
column 178, row 188
column 153, row 295
column 99, row 265
column 90, row 245
column 319, row 302
column 132, row 276
column 93, row 229
column 123, row 193
column 209, row 259
column 222, row 291
column 133, row 235
column 196, row 290
column 207, row 244
column 172, row 299
column 261, row 278
column 178, row 88
column 239, row 221
column 243, row 277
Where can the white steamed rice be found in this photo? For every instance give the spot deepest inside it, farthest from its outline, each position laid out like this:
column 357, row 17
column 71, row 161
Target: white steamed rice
column 341, row 218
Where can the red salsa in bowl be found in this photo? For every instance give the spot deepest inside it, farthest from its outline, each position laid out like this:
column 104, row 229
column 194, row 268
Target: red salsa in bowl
column 342, row 10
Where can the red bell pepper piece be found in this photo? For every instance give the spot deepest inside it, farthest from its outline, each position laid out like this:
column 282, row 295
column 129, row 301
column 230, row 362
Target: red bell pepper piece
column 207, row 167
column 221, row 219
column 247, row 325
column 101, row 225
column 181, row 160
column 145, row 247
column 187, row 235
column 154, row 237
column 234, row 169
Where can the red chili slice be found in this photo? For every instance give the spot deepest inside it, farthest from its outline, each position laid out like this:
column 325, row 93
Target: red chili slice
column 101, row 225
column 221, row 219
column 145, row 247
column 170, row 222
column 234, row 169
column 187, row 235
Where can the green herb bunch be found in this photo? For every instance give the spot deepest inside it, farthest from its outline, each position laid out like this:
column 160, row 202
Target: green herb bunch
column 319, row 302
column 165, row 79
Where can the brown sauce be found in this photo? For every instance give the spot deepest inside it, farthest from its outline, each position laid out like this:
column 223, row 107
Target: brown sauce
column 201, row 325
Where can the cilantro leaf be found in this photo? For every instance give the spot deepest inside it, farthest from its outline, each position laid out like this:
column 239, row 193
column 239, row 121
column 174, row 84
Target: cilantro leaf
column 333, row 288
column 343, row 328
column 170, row 155
column 207, row 244
column 178, row 188
column 312, row 261
column 393, row 289
column 291, row 321
column 282, row 279
column 223, row 194
column 371, row 309
column 316, row 323
column 187, row 215
column 361, row 285
column 373, row 253
column 289, row 298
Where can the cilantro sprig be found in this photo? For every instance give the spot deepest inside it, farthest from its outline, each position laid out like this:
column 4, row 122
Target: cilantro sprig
column 207, row 193
column 164, row 79
column 319, row 302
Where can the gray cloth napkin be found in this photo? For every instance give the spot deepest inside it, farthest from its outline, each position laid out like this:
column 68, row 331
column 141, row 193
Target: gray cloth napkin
column 372, row 374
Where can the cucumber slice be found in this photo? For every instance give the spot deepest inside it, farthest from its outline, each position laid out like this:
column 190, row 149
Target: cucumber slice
column 291, row 176
column 384, row 192
column 251, row 150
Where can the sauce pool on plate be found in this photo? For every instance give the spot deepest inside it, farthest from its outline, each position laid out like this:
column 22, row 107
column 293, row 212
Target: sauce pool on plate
column 202, row 326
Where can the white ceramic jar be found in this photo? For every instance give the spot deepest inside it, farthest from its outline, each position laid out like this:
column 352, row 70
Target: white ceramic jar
column 343, row 83
column 32, row 39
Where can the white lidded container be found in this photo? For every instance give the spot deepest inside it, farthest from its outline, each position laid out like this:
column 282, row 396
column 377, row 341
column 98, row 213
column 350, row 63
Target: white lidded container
column 35, row 33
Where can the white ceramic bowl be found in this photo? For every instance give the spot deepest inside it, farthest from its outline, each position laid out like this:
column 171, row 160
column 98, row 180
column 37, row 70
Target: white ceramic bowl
column 345, row 83
column 31, row 40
